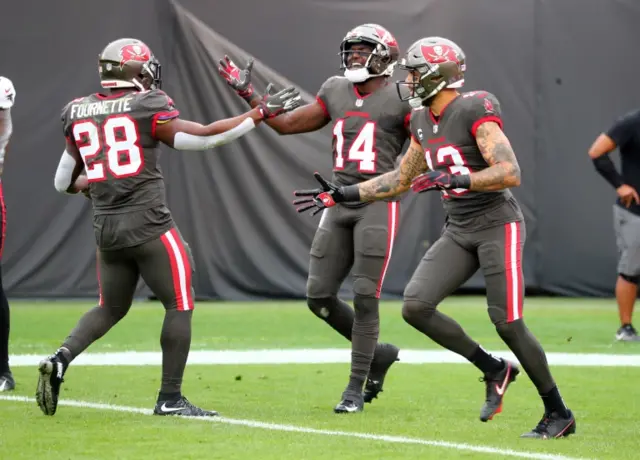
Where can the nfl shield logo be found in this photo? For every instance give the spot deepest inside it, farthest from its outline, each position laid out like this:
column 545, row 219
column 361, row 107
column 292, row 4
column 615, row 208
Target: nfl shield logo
column 359, row 102
column 435, row 129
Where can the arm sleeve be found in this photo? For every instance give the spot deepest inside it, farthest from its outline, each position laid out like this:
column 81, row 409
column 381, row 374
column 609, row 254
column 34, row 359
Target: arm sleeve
column 184, row 141
column 62, row 179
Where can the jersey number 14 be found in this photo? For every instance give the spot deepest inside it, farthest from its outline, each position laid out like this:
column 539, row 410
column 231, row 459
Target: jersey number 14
column 362, row 148
column 118, row 136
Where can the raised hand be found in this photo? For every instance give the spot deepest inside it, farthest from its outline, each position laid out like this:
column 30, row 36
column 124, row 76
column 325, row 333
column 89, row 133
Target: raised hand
column 238, row 79
column 281, row 102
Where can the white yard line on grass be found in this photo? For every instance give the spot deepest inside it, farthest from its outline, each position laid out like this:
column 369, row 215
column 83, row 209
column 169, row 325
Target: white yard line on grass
column 300, row 429
column 315, row 356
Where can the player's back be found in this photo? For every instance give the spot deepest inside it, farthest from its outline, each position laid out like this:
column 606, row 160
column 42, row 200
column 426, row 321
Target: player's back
column 368, row 130
column 115, row 137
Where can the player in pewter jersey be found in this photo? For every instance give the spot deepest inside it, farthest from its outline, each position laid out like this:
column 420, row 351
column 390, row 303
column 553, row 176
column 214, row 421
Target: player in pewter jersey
column 370, row 127
column 114, row 138
column 458, row 147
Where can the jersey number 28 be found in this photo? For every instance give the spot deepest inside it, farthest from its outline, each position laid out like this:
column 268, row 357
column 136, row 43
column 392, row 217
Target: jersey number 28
column 362, row 148
column 118, row 136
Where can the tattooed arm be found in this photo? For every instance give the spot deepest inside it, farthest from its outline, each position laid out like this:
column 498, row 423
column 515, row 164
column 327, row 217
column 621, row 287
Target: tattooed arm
column 503, row 171
column 397, row 181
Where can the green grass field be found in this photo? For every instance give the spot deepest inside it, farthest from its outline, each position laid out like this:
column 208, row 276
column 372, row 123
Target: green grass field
column 284, row 411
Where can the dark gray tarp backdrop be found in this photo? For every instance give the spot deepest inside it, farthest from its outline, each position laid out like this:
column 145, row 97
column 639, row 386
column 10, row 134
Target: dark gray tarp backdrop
column 563, row 73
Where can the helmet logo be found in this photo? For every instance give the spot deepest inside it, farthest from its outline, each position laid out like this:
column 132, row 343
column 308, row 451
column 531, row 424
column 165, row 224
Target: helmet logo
column 383, row 34
column 437, row 54
column 138, row 53
column 386, row 37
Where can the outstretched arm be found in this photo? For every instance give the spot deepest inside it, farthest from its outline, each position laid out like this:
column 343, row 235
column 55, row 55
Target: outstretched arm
column 307, row 118
column 310, row 117
column 188, row 135
column 397, row 181
column 503, row 171
column 390, row 184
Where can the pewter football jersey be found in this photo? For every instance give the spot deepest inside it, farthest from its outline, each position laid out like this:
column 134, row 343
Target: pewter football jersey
column 115, row 135
column 450, row 145
column 369, row 130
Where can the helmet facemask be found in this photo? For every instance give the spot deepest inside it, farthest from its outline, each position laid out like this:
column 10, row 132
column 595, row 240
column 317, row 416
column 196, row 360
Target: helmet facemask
column 379, row 61
column 152, row 74
column 427, row 82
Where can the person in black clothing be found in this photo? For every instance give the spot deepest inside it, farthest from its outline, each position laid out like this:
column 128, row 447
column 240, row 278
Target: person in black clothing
column 625, row 135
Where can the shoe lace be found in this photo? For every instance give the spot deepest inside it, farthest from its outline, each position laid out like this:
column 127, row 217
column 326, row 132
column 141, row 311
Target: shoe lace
column 489, row 380
column 195, row 410
column 543, row 424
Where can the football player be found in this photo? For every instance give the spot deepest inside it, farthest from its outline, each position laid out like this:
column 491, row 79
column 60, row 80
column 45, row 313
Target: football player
column 114, row 137
column 7, row 99
column 370, row 126
column 458, row 148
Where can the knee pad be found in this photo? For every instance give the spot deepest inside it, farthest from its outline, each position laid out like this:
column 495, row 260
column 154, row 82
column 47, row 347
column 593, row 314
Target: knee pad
column 320, row 307
column 630, row 279
column 510, row 331
column 117, row 313
column 413, row 308
column 322, row 286
column 364, row 287
column 497, row 315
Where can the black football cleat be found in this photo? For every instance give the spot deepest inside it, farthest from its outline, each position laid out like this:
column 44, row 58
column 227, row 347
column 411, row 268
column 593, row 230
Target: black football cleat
column 350, row 403
column 496, row 387
column 51, row 372
column 181, row 407
column 553, row 426
column 7, row 383
column 384, row 357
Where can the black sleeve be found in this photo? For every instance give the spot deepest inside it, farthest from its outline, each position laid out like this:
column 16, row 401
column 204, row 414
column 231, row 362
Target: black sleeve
column 607, row 169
